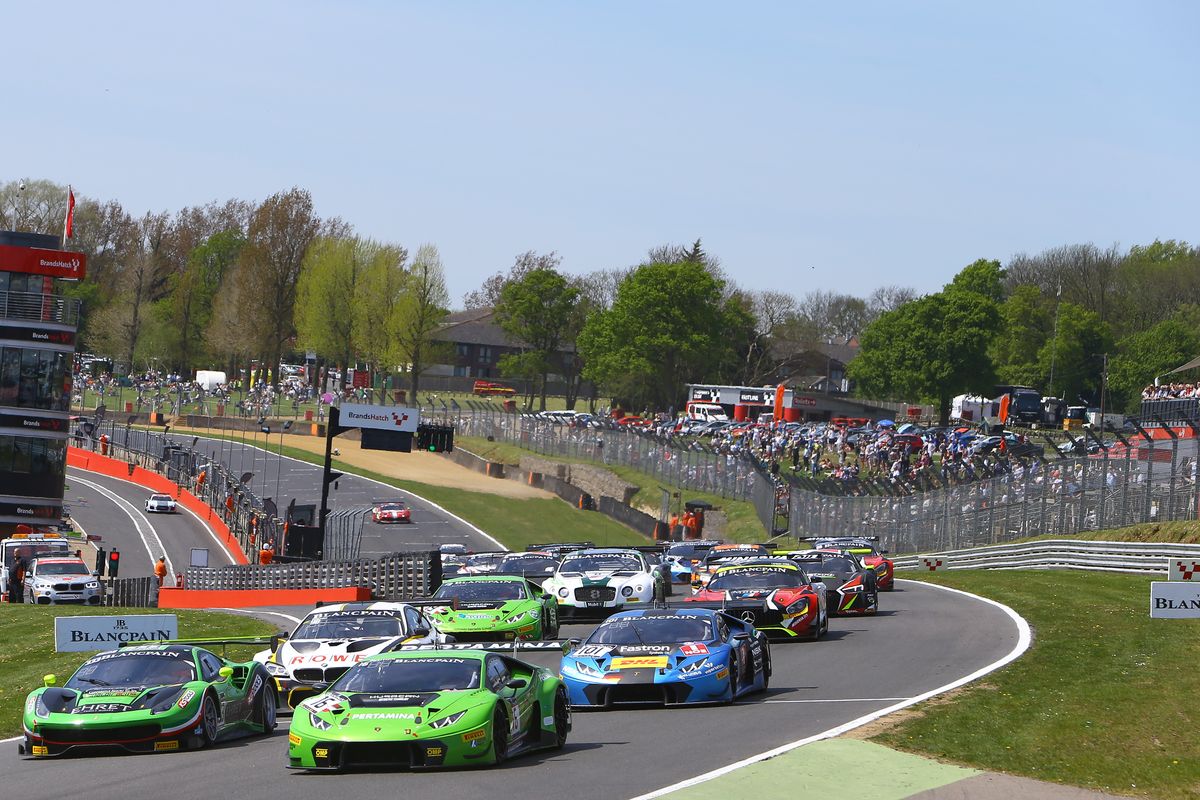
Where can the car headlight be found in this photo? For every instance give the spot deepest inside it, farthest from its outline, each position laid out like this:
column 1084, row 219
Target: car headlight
column 317, row 722
column 857, row 588
column 627, row 591
column 40, row 709
column 276, row 670
column 446, row 722
column 165, row 700
column 798, row 607
column 587, row 669
column 563, row 592
column 694, row 668
column 516, row 618
column 92, row 585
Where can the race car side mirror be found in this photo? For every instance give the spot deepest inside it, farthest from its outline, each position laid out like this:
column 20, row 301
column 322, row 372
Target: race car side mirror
column 817, row 580
column 517, row 683
column 50, row 680
column 419, row 633
column 574, row 643
column 225, row 673
column 885, row 552
column 741, row 637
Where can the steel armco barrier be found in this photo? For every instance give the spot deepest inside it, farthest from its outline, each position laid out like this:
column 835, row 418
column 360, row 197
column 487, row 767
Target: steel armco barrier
column 391, row 577
column 1133, row 557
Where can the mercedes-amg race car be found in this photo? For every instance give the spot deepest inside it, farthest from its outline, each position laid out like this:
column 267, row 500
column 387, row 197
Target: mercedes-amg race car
column 160, row 503
column 595, row 583
column 451, row 707
column 866, row 548
column 392, row 511
column 147, row 699
column 671, row 656
column 488, row 608
column 331, row 639
column 851, row 587
column 776, row 597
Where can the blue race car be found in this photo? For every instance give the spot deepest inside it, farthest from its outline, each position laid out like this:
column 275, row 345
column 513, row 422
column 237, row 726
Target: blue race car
column 681, row 556
column 673, row 656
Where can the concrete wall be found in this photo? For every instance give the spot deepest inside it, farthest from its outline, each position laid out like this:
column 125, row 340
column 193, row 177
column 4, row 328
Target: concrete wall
column 596, row 481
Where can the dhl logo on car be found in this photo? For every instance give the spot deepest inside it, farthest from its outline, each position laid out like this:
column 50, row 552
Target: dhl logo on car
column 633, row 662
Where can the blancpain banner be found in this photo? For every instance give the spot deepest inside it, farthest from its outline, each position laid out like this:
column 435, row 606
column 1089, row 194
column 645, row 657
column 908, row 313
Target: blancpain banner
column 386, row 418
column 1174, row 600
column 73, row 634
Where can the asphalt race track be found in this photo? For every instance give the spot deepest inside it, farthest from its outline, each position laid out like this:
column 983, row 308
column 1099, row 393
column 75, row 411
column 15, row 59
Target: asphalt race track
column 115, row 510
column 923, row 639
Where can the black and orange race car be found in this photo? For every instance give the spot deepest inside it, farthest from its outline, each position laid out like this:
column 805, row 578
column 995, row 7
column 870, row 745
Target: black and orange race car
column 776, row 596
column 867, row 550
column 852, row 587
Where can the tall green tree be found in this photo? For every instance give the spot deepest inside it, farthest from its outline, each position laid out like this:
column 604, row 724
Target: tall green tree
column 667, row 327
column 1152, row 353
column 537, row 310
column 1026, row 324
column 326, row 292
column 187, row 310
column 1077, row 354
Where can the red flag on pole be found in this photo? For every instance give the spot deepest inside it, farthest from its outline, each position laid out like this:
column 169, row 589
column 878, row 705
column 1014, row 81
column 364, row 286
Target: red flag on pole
column 69, row 225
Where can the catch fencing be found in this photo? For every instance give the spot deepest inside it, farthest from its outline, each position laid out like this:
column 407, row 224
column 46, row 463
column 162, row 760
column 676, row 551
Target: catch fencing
column 1149, row 558
column 1146, row 480
column 343, row 533
column 392, row 577
column 132, row 593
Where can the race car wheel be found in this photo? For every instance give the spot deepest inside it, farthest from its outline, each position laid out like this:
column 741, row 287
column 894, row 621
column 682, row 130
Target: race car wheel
column 267, row 712
column 209, row 721
column 734, row 670
column 499, row 735
column 562, row 719
column 766, row 670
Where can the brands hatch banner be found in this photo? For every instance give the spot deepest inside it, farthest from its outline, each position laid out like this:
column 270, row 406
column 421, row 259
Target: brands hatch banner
column 385, row 418
column 74, row 634
column 1178, row 600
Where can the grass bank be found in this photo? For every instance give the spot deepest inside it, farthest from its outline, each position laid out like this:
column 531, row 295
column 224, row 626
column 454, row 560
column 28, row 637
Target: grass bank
column 1182, row 531
column 743, row 523
column 27, row 647
column 1103, row 698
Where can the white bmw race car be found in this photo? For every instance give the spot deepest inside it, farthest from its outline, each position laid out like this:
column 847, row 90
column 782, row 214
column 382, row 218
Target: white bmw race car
column 600, row 581
column 331, row 639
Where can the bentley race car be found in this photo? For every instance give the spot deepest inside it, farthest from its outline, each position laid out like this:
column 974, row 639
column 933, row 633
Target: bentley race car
column 149, row 698
column 595, row 583
column 454, row 706
column 776, row 597
column 671, row 656
column 487, row 608
column 331, row 639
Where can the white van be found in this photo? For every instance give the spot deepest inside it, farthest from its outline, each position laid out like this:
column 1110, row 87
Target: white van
column 709, row 412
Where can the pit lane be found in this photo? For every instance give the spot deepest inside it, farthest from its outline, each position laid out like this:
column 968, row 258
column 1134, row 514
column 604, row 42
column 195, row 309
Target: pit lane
column 924, row 638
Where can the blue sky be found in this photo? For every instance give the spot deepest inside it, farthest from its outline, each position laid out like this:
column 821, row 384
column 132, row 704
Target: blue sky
column 812, row 146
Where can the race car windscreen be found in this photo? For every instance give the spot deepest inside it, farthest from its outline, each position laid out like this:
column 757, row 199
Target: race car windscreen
column 392, row 507
column 161, row 498
column 843, row 567
column 485, row 560
column 528, row 564
column 133, row 671
column 663, row 629
column 687, row 550
column 616, row 563
column 472, row 591
column 410, row 675
column 345, row 626
column 757, row 579
column 63, row 568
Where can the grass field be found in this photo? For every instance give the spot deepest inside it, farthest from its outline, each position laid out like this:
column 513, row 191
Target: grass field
column 1103, row 699
column 27, row 647
column 515, row 522
column 743, row 522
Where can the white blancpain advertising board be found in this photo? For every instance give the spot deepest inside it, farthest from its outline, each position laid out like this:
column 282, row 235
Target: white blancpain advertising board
column 1178, row 600
column 74, row 634
column 1183, row 569
column 385, row 418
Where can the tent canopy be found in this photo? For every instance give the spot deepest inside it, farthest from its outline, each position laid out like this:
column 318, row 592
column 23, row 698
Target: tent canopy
column 1195, row 362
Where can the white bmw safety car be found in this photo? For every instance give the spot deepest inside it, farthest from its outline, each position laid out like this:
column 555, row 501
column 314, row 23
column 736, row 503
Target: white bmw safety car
column 600, row 581
column 331, row 639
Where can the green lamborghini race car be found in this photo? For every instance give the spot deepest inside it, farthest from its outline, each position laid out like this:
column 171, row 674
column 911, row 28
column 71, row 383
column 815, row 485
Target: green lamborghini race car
column 454, row 706
column 149, row 698
column 488, row 608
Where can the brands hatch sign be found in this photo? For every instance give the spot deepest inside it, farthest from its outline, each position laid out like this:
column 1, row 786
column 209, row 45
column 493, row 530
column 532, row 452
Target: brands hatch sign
column 386, row 418
column 36, row 261
column 77, row 634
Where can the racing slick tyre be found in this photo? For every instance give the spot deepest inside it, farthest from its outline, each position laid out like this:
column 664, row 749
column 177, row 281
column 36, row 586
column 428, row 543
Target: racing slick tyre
column 267, row 712
column 766, row 671
column 499, row 735
column 562, row 719
column 734, row 670
column 209, row 721
column 822, row 627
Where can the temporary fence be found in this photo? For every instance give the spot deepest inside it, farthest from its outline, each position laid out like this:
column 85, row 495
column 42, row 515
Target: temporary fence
column 1147, row 480
column 396, row 576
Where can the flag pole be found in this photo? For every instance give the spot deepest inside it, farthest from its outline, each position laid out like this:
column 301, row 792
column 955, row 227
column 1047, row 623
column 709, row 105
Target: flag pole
column 67, row 218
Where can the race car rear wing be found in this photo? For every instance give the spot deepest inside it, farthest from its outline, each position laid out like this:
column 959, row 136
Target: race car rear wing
column 560, row 546
column 753, row 611
column 269, row 641
column 837, row 538
column 531, row 646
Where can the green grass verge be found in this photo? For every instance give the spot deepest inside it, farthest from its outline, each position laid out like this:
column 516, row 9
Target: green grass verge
column 1102, row 699
column 515, row 522
column 1182, row 531
column 743, row 523
column 27, row 647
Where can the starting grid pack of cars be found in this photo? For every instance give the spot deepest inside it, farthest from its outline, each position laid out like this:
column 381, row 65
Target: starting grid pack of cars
column 437, row 681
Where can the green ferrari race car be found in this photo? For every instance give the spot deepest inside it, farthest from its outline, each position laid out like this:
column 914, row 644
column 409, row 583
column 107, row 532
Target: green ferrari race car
column 454, row 706
column 488, row 608
column 149, row 698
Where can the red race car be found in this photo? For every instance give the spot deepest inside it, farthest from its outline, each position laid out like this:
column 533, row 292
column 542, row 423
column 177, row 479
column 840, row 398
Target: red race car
column 866, row 549
column 774, row 596
column 395, row 511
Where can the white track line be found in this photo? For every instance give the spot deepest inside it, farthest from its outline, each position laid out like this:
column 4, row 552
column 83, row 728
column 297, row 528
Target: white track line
column 133, row 513
column 252, row 613
column 1023, row 640
column 450, row 514
column 830, row 700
